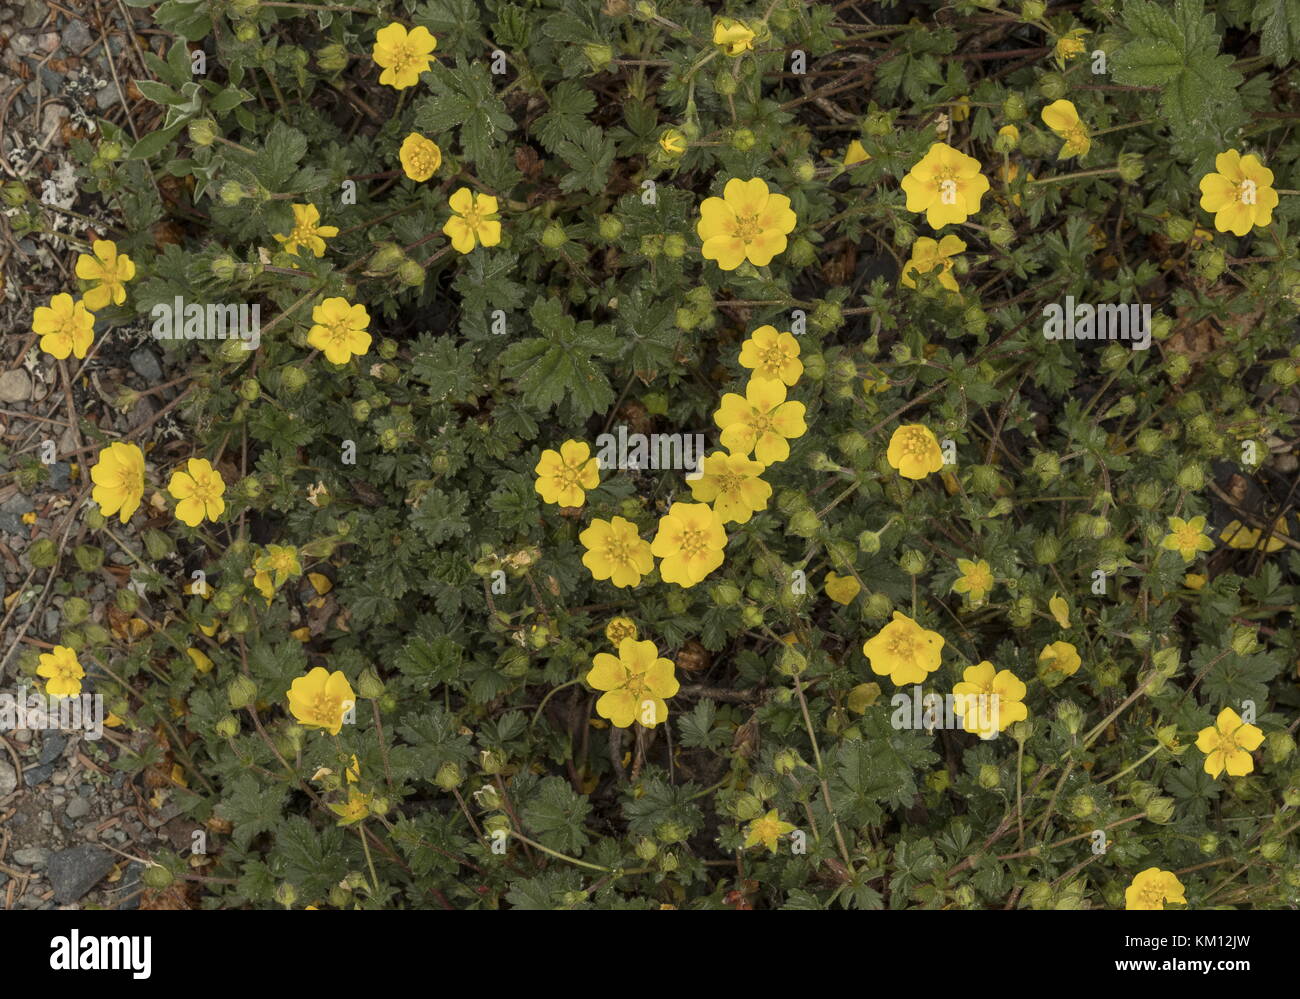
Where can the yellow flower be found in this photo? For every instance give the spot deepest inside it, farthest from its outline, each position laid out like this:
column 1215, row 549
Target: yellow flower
column 1062, row 118
column 420, row 157
column 1060, row 610
column 914, row 451
column 673, row 141
column 690, row 540
column 110, row 269
column 1152, row 889
column 62, row 672
column 1010, row 136
column 732, row 485
column 766, row 831
column 616, row 551
column 119, row 480
column 747, row 223
column 355, row 809
column 1070, row 45
column 1227, row 745
column 403, row 55
column 563, row 476
column 620, row 628
column 199, row 490
column 1187, row 537
column 904, row 651
column 927, row 255
column 307, row 231
column 1237, row 535
column 64, row 328
column 855, row 154
column 1194, row 581
column 475, row 218
column 1240, row 194
column 732, row 35
column 1060, row 657
column 636, row 684
column 960, row 109
column 200, row 659
column 976, row 579
column 274, row 567
column 761, row 421
column 945, row 184
column 321, row 699
column 772, row 355
column 841, row 589
column 339, row 330
column 998, row 699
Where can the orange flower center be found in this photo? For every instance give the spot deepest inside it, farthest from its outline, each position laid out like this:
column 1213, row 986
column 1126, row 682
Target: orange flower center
column 730, row 482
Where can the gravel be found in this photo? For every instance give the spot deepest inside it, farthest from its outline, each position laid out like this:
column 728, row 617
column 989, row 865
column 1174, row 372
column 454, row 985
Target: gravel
column 75, row 871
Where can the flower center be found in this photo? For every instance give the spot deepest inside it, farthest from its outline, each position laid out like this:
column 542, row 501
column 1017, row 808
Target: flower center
column 339, row 330
column 761, row 423
column 730, row 482
column 693, row 543
column 422, row 160
column 1153, row 896
column 204, row 491
column 325, row 707
column 1077, row 135
column 747, row 227
column 473, row 218
column 916, row 445
column 616, row 550
column 302, row 233
column 567, row 477
column 772, row 358
column 404, row 58
column 902, row 646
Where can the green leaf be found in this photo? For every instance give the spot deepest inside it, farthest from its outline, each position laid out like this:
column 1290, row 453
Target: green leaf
column 558, row 364
column 1278, row 23
column 1146, row 63
column 555, row 816
column 465, row 98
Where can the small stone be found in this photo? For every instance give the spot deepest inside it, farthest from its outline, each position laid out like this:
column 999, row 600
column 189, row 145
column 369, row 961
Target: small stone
column 52, row 747
column 78, row 808
column 15, row 385
column 31, row 856
column 75, row 871
column 38, row 775
column 76, row 36
column 51, row 621
column 106, row 96
column 8, row 779
column 146, row 365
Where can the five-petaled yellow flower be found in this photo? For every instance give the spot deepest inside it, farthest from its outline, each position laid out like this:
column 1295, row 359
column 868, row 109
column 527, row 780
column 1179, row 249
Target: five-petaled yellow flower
column 64, row 327
column 564, row 476
column 199, row 490
column 1069, row 46
column 690, row 541
column 732, row 485
column 1063, row 118
column 1152, row 888
column 403, row 55
column 307, row 231
column 760, row 421
column 904, row 651
column 109, row 269
column 976, row 579
column 747, row 223
column 1228, row 743
column 914, row 451
column 1187, row 537
column 475, row 220
column 618, row 629
column 356, row 808
column 1059, row 657
column 636, row 684
column 1240, row 194
column 927, row 254
column 988, row 699
column 732, row 35
column 275, row 567
column 772, row 355
column 841, row 589
column 321, row 699
column 339, row 330
column 766, row 831
column 616, row 551
column 420, row 156
column 946, row 184
column 119, row 480
column 62, row 672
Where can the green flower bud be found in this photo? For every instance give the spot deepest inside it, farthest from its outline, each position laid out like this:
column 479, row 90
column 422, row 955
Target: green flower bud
column 1046, row 466
column 554, row 236
column 742, row 139
column 1052, row 86
column 1192, row 478
column 651, row 246
column 332, row 58
column 610, row 228
column 292, row 378
column 1070, row 715
column 878, row 607
column 203, row 131
column 826, row 317
column 1014, row 108
column 448, row 776
column 1160, row 810
column 599, row 55
column 410, row 273
column 241, row 692
column 1280, row 746
column 1179, row 229
column 157, row 877
column 912, row 562
column 724, row 83
column 232, row 193
column 1130, row 167
column 752, row 616
column 804, row 169
column 674, row 246
column 801, row 253
column 989, row 776
column 726, row 594
column 1047, row 549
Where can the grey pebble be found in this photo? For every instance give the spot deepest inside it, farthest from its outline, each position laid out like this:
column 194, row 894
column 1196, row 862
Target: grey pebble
column 31, row 856
column 146, row 365
column 78, row 808
column 38, row 775
column 8, row 779
column 15, row 385
column 106, row 96
column 51, row 621
column 76, row 36
column 75, row 871
column 52, row 747
column 59, row 472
